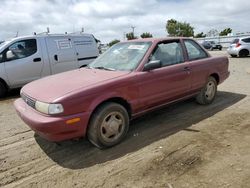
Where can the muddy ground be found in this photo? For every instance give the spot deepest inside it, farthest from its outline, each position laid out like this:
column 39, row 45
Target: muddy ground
column 183, row 145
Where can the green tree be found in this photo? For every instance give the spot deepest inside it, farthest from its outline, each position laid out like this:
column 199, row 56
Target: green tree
column 130, row 36
column 175, row 28
column 225, row 32
column 200, row 35
column 113, row 42
column 146, row 35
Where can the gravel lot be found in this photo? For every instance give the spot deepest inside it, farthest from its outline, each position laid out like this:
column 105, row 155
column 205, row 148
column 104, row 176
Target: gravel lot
column 183, row 145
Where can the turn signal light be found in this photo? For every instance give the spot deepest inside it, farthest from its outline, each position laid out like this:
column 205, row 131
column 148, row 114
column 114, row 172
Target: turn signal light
column 74, row 120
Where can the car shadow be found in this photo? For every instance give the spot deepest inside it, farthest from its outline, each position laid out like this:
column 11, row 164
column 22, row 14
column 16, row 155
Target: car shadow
column 143, row 131
column 12, row 94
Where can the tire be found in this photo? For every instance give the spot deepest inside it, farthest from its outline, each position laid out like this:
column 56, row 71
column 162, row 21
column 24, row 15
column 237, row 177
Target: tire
column 220, row 49
column 233, row 55
column 243, row 53
column 3, row 90
column 108, row 125
column 208, row 92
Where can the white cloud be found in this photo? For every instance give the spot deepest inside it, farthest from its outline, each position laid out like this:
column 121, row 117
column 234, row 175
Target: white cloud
column 110, row 19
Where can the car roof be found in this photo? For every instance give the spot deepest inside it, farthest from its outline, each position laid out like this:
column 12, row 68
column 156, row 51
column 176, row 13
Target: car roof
column 156, row 40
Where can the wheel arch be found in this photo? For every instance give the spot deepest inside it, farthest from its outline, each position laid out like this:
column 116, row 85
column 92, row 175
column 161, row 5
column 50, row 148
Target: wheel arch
column 118, row 100
column 216, row 77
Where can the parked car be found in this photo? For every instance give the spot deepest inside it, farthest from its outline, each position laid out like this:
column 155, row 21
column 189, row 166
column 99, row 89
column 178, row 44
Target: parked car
column 130, row 79
column 211, row 45
column 239, row 47
column 28, row 58
column 215, row 45
column 207, row 45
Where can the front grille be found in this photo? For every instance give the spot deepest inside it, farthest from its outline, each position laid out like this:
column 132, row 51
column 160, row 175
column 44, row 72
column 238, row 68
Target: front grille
column 29, row 101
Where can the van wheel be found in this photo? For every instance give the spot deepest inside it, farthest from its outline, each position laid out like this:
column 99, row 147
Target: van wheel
column 208, row 92
column 108, row 125
column 3, row 90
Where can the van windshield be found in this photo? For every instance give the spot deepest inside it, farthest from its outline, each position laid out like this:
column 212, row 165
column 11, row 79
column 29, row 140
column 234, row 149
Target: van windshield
column 122, row 56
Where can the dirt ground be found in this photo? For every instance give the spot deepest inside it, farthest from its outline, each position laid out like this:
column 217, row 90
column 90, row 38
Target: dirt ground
column 183, row 145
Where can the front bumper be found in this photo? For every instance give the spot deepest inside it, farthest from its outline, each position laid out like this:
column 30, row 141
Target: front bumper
column 52, row 128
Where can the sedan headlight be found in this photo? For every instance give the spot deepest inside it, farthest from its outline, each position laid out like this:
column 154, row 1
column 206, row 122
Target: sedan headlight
column 47, row 108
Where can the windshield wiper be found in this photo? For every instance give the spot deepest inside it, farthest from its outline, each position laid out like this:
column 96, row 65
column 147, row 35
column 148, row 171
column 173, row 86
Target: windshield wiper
column 104, row 68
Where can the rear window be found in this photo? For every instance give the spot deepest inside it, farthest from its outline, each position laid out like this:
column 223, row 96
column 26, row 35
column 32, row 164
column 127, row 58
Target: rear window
column 235, row 41
column 246, row 40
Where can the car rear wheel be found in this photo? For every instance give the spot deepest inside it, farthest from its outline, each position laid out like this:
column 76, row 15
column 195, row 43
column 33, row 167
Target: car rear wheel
column 243, row 53
column 208, row 92
column 3, row 90
column 108, row 125
column 233, row 55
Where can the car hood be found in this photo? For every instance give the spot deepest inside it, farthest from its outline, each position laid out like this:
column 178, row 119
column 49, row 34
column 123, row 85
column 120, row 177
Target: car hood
column 50, row 88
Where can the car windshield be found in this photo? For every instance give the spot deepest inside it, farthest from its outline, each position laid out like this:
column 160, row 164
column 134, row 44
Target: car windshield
column 2, row 43
column 122, row 56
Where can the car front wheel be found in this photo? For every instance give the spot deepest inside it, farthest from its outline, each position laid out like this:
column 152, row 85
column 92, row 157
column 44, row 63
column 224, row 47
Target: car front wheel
column 208, row 92
column 108, row 125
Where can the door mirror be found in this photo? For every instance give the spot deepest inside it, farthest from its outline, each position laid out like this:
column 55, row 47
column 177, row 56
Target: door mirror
column 9, row 54
column 152, row 65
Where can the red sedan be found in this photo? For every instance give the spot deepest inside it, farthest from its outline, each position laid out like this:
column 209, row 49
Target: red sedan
column 128, row 80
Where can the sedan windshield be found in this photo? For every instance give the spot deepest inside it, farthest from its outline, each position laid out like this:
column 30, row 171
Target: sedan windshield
column 122, row 56
column 2, row 43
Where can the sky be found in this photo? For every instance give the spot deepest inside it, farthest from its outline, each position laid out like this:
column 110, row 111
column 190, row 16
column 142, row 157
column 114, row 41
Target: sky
column 111, row 19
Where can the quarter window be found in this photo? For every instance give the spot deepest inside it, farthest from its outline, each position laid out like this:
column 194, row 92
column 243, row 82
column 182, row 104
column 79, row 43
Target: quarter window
column 22, row 49
column 194, row 50
column 169, row 53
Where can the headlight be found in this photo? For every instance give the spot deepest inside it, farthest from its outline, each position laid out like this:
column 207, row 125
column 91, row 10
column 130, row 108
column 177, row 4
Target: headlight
column 48, row 108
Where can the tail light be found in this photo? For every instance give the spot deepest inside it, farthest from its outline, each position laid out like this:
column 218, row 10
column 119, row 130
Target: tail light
column 237, row 45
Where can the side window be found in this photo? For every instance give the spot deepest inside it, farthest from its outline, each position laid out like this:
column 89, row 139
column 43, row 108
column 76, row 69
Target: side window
column 247, row 40
column 1, row 57
column 169, row 53
column 21, row 49
column 194, row 50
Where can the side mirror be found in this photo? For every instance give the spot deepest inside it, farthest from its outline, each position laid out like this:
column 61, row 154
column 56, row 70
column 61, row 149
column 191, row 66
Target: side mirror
column 152, row 65
column 10, row 54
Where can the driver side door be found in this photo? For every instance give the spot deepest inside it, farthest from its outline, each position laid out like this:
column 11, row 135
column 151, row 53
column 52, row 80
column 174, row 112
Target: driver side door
column 23, row 62
column 169, row 82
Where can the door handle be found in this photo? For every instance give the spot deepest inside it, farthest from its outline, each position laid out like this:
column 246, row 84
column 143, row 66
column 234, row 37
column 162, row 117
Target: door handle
column 56, row 57
column 186, row 69
column 38, row 59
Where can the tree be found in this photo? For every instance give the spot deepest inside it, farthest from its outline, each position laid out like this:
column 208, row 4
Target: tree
column 175, row 28
column 146, row 35
column 200, row 35
column 113, row 42
column 225, row 32
column 130, row 36
column 212, row 33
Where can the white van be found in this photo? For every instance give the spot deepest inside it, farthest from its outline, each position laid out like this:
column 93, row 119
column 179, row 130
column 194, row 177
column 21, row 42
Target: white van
column 28, row 58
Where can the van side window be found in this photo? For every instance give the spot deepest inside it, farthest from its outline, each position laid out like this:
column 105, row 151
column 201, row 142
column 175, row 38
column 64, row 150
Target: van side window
column 169, row 53
column 194, row 50
column 22, row 49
